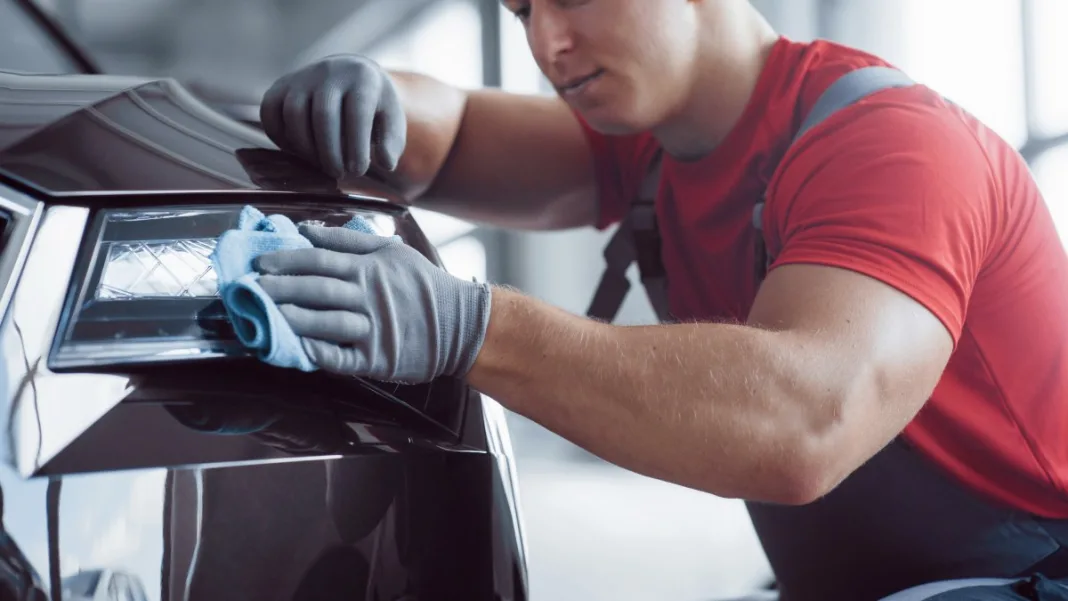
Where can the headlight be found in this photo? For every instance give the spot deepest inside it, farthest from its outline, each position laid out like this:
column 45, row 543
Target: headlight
column 144, row 289
column 157, row 269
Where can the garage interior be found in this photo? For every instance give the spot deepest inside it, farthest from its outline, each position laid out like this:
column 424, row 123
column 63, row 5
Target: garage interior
column 597, row 532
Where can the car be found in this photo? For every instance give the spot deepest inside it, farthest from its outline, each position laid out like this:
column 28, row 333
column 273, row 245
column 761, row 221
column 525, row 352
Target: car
column 148, row 455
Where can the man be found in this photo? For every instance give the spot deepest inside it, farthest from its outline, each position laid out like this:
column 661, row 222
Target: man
column 891, row 399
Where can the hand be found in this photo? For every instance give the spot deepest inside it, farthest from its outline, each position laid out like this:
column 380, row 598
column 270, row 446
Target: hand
column 340, row 113
column 372, row 306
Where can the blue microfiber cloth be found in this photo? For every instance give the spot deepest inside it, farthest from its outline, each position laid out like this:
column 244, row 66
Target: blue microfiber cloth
column 256, row 319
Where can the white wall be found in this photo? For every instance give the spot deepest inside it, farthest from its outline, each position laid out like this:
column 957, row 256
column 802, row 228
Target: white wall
column 973, row 53
column 976, row 62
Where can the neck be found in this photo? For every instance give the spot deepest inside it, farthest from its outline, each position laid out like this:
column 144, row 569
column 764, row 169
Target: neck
column 729, row 64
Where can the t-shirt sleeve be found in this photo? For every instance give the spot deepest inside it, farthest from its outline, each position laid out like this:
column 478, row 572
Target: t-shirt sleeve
column 620, row 163
column 900, row 191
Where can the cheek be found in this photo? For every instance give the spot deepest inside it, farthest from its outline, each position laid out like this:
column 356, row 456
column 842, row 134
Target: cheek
column 652, row 69
column 535, row 51
column 644, row 50
column 646, row 60
column 659, row 34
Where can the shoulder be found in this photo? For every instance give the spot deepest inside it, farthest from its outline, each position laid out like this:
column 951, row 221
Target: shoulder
column 822, row 62
column 895, row 138
column 897, row 187
column 804, row 70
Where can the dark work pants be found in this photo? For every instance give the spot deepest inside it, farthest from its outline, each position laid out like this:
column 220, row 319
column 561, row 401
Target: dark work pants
column 899, row 522
column 1035, row 588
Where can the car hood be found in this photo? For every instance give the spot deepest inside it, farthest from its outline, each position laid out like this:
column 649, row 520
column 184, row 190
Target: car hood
column 102, row 134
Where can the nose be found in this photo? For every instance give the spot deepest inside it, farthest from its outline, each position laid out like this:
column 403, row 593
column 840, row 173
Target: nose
column 549, row 34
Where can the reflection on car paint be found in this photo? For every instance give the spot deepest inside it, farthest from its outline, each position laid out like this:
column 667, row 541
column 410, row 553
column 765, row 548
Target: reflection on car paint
column 347, row 528
column 211, row 480
column 146, row 135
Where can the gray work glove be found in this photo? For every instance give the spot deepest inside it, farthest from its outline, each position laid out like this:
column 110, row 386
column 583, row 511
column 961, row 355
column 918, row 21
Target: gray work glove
column 372, row 306
column 341, row 113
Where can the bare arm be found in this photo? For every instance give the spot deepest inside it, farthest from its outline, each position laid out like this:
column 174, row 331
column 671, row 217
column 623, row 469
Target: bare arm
column 832, row 366
column 491, row 156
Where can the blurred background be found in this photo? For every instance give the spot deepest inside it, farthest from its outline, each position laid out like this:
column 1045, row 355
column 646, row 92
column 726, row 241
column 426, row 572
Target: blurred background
column 595, row 531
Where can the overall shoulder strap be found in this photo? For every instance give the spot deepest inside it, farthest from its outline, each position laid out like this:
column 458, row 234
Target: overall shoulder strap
column 847, row 90
column 850, row 89
column 638, row 238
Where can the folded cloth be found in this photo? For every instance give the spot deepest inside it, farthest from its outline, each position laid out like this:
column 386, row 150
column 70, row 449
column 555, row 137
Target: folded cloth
column 257, row 321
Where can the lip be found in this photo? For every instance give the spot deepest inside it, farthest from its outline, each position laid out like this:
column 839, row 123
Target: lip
column 578, row 85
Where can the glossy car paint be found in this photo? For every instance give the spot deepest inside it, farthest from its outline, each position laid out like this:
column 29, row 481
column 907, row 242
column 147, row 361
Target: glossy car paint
column 216, row 477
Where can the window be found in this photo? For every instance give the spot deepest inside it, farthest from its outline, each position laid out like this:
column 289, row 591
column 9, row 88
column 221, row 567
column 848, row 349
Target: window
column 1048, row 69
column 976, row 62
column 1005, row 63
column 444, row 42
column 1049, row 49
column 1051, row 172
column 519, row 70
column 26, row 46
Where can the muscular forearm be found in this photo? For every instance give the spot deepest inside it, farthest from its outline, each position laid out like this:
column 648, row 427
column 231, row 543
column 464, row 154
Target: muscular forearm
column 489, row 156
column 723, row 408
column 434, row 111
column 493, row 157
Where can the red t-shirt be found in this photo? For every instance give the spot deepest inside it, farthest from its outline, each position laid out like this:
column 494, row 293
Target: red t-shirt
column 905, row 188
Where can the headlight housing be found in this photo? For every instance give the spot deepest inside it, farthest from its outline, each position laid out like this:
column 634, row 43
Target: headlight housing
column 144, row 289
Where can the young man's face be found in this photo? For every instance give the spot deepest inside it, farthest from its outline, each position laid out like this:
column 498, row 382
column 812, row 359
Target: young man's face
column 624, row 65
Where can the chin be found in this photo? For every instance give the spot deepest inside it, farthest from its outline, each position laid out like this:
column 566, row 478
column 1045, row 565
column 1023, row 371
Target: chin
column 619, row 116
column 612, row 122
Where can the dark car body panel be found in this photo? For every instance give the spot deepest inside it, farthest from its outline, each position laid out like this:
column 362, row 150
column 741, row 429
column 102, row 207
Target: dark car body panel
column 217, row 477
column 77, row 135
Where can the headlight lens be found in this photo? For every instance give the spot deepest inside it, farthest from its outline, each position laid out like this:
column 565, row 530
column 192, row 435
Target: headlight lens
column 144, row 289
column 158, row 269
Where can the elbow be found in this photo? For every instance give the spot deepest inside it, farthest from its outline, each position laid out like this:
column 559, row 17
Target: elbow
column 821, row 434
column 797, row 474
column 812, row 459
column 826, row 423
column 806, row 479
column 568, row 210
